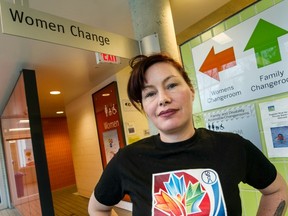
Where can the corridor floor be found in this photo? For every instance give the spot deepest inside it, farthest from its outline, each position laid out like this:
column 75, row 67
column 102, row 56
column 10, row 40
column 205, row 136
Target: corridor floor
column 66, row 203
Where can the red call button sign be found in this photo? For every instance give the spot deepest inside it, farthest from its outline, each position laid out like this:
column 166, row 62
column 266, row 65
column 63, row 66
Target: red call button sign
column 106, row 58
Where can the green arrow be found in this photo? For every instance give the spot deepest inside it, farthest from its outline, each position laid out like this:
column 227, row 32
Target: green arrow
column 264, row 40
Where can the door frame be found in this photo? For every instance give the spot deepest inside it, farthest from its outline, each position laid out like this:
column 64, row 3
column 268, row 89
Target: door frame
column 4, row 193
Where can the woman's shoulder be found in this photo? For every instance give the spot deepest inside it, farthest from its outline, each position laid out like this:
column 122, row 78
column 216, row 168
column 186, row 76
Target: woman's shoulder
column 141, row 144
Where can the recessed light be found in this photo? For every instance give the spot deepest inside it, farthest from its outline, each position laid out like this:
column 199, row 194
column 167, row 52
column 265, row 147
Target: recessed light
column 55, row 92
column 59, row 112
column 19, row 129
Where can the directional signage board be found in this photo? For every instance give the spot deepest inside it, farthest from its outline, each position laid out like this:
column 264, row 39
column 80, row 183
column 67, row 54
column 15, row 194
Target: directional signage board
column 246, row 62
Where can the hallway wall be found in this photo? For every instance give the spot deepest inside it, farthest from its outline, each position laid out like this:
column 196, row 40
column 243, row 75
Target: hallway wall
column 84, row 141
column 84, row 138
column 58, row 151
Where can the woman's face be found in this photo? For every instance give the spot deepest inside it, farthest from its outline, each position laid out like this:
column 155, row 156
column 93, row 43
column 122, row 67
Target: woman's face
column 167, row 99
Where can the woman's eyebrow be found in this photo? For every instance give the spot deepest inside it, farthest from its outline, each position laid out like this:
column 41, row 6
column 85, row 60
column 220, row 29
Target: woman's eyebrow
column 145, row 87
column 168, row 78
column 164, row 81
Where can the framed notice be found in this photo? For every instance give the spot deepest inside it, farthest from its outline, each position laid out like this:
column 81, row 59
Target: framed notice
column 239, row 119
column 274, row 116
column 109, row 121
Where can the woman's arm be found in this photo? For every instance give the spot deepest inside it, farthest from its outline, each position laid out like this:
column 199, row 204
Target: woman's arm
column 274, row 198
column 95, row 208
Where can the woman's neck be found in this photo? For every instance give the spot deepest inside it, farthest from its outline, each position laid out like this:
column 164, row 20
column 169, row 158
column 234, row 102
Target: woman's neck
column 176, row 136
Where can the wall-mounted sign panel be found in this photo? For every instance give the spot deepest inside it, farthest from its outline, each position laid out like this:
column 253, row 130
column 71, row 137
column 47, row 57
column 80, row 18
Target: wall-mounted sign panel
column 240, row 120
column 246, row 62
column 30, row 23
column 109, row 121
column 274, row 116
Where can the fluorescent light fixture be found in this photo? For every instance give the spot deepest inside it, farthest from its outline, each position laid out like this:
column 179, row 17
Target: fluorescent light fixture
column 24, row 121
column 222, row 39
column 18, row 129
column 55, row 92
column 59, row 112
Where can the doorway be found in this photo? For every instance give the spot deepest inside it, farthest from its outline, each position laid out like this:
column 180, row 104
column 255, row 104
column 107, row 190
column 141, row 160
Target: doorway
column 24, row 150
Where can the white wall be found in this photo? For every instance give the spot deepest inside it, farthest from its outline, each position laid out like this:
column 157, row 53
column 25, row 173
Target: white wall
column 83, row 132
column 84, row 143
column 131, row 116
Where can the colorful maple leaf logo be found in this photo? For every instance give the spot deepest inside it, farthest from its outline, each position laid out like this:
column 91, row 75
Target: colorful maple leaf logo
column 179, row 199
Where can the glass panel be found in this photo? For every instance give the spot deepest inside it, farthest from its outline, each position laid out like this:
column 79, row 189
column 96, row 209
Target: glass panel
column 19, row 153
column 3, row 183
column 23, row 167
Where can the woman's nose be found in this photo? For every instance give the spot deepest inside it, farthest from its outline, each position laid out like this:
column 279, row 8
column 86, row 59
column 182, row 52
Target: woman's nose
column 164, row 99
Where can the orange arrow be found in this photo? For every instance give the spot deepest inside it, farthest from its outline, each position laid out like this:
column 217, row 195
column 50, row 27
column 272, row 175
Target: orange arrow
column 215, row 63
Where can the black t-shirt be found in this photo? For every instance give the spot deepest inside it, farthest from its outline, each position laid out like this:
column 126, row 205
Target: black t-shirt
column 198, row 176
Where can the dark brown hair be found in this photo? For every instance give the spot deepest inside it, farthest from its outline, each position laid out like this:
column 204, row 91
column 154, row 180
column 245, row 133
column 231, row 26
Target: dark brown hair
column 140, row 65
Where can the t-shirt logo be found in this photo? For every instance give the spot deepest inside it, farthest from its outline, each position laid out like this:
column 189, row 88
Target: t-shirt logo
column 194, row 192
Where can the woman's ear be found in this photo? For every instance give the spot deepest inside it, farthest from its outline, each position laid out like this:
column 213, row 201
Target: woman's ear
column 193, row 94
column 192, row 89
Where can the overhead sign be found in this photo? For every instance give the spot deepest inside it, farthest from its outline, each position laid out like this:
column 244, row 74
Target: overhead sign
column 30, row 23
column 106, row 58
column 246, row 62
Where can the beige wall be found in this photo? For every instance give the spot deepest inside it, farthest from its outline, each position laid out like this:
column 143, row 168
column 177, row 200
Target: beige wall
column 219, row 15
column 83, row 132
column 131, row 116
column 84, row 142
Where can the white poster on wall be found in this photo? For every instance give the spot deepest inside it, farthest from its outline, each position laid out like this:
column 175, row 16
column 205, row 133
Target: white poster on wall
column 111, row 143
column 241, row 120
column 275, row 125
column 246, row 62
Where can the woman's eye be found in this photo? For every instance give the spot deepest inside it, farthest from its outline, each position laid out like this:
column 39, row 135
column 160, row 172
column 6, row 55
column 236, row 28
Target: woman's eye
column 171, row 85
column 149, row 94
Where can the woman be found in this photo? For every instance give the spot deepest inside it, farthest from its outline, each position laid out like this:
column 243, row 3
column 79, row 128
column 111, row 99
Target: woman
column 182, row 170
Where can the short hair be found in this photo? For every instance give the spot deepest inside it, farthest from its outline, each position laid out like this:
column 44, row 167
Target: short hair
column 140, row 65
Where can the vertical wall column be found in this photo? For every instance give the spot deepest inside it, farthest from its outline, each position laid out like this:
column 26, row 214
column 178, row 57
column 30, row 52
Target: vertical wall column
column 150, row 17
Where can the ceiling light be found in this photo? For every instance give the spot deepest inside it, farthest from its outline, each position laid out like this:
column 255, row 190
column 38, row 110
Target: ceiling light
column 59, row 112
column 105, row 94
column 24, row 121
column 18, row 129
column 55, row 92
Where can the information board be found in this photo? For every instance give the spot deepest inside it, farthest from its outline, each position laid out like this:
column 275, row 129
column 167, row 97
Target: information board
column 240, row 120
column 246, row 62
column 275, row 126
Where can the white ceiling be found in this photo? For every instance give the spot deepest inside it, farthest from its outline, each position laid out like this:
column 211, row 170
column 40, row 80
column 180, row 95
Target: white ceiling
column 74, row 71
